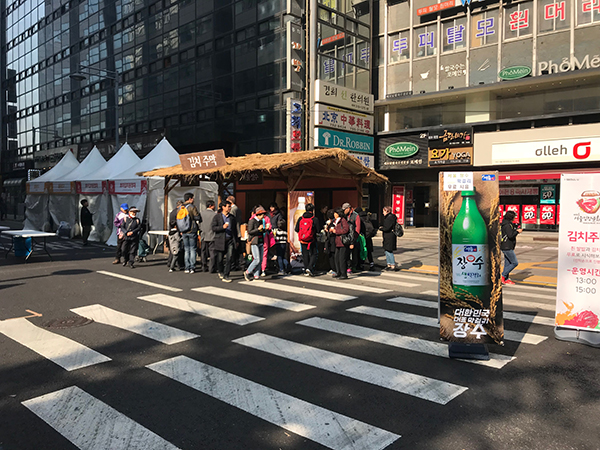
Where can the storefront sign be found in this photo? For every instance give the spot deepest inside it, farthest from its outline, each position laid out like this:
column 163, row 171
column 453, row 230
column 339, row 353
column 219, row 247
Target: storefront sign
column 367, row 160
column 251, row 177
column 398, row 203
column 437, row 7
column 193, row 162
column 61, row 187
column 550, row 151
column 519, row 191
column 127, row 187
column 91, row 187
column 294, row 125
column 458, row 181
column 568, row 64
column 514, row 73
column 295, row 57
column 346, row 141
column 36, row 187
column 470, row 260
column 529, row 214
column 343, row 97
column 548, row 195
column 394, row 151
column 450, row 137
column 459, row 156
column 578, row 287
column 328, row 116
column 547, row 214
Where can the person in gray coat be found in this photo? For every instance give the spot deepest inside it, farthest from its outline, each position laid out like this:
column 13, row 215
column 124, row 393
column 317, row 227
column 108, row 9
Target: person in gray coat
column 207, row 238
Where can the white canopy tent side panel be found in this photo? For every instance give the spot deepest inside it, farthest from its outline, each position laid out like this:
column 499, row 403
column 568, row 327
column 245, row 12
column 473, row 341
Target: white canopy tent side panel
column 132, row 192
column 37, row 215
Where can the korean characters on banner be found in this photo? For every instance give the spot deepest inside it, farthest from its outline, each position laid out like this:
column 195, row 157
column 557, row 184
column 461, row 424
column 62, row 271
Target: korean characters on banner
column 547, row 214
column 470, row 258
column 398, row 203
column 514, row 208
column 529, row 214
column 294, row 126
column 578, row 284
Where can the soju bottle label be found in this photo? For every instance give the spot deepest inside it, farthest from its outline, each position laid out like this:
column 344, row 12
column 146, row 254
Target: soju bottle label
column 470, row 264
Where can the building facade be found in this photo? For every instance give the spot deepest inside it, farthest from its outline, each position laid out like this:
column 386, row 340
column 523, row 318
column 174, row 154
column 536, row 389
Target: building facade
column 488, row 85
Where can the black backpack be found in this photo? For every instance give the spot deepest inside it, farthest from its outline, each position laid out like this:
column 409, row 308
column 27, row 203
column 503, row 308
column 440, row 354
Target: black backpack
column 398, row 230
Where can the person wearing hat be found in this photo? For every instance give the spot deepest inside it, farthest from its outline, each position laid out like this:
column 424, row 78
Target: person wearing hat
column 256, row 234
column 118, row 222
column 131, row 236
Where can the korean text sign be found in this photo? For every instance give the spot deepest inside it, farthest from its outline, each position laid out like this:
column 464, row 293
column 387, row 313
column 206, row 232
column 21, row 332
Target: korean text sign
column 578, row 288
column 203, row 160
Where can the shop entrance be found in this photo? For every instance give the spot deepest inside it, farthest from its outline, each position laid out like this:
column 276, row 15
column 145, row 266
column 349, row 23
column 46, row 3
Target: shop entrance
column 422, row 206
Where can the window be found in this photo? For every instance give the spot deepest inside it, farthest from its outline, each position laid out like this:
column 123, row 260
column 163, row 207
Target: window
column 553, row 15
column 454, row 36
column 425, row 41
column 484, row 29
column 518, row 20
column 588, row 11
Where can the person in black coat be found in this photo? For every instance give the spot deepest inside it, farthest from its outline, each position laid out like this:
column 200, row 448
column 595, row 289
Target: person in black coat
column 224, row 225
column 389, row 238
column 86, row 221
column 510, row 231
column 131, row 236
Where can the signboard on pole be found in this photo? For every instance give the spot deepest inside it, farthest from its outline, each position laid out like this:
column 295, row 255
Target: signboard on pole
column 340, row 119
column 398, row 203
column 470, row 286
column 578, row 284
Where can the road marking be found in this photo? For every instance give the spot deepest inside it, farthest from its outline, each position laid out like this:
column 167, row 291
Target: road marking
column 426, row 388
column 137, row 280
column 514, row 302
column 252, row 298
column 91, row 424
column 68, row 354
column 517, row 287
column 144, row 327
column 551, row 248
column 527, row 294
column 31, row 315
column 302, row 291
column 338, row 284
column 401, row 276
column 389, row 282
column 517, row 336
column 328, row 428
column 202, row 309
column 507, row 315
column 440, row 349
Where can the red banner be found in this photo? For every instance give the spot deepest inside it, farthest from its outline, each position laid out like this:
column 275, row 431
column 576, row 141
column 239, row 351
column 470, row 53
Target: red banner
column 501, row 211
column 529, row 214
column 514, row 208
column 557, row 214
column 547, row 214
column 398, row 203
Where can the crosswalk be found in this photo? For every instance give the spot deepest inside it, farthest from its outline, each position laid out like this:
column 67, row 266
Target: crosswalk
column 364, row 308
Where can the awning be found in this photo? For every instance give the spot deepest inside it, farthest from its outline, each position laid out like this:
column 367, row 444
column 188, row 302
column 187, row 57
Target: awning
column 13, row 182
column 541, row 174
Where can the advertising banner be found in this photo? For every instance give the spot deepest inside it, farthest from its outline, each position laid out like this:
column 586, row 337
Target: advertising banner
column 295, row 56
column 343, row 97
column 125, row 187
column 91, row 187
column 36, row 187
column 293, row 128
column 514, row 208
column 578, row 287
column 548, row 194
column 470, row 258
column 550, row 151
column 398, row 203
column 450, row 137
column 297, row 201
column 346, row 141
column 529, row 214
column 458, row 156
column 501, row 211
column 519, row 191
column 403, row 152
column 61, row 187
column 547, row 214
column 340, row 119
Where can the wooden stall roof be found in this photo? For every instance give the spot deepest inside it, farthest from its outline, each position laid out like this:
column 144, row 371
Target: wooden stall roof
column 324, row 163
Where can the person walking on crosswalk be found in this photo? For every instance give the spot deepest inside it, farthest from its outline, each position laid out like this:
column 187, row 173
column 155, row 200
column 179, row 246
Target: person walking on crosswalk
column 389, row 237
column 256, row 234
column 510, row 231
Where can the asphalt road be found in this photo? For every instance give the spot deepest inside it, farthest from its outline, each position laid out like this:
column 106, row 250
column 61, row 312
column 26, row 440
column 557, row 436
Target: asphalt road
column 186, row 361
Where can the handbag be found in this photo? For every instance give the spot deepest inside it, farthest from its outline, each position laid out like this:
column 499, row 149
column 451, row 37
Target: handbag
column 348, row 239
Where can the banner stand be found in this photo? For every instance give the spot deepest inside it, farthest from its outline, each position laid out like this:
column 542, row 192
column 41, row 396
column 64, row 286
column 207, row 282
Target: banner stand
column 468, row 351
column 591, row 338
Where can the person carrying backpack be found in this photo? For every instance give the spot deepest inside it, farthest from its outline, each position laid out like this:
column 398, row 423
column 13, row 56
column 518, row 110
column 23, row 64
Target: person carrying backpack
column 188, row 220
column 307, row 228
column 389, row 237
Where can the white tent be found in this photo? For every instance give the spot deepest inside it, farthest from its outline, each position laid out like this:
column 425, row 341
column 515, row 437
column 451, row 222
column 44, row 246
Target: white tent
column 94, row 188
column 63, row 201
column 36, row 202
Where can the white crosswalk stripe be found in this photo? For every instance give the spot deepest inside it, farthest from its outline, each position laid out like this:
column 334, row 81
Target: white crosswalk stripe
column 256, row 299
column 506, row 314
column 202, row 309
column 398, row 380
column 526, row 338
column 140, row 281
column 68, row 354
column 276, row 286
column 152, row 330
column 91, row 424
column 399, row 276
column 328, row 428
column 348, row 285
column 440, row 349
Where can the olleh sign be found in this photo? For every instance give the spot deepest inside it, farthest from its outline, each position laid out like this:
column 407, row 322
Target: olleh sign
column 554, row 151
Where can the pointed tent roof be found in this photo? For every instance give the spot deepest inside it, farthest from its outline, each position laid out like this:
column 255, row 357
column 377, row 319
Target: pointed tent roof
column 67, row 164
column 125, row 158
column 92, row 163
column 163, row 155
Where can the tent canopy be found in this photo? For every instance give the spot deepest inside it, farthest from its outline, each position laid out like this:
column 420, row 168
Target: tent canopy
column 325, row 163
column 67, row 164
column 163, row 155
column 125, row 158
column 92, row 163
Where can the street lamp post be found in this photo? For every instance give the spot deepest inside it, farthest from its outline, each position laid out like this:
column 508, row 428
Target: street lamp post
column 111, row 75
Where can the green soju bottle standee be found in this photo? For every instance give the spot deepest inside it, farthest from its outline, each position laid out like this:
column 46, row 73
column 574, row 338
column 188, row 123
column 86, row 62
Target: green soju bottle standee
column 470, row 253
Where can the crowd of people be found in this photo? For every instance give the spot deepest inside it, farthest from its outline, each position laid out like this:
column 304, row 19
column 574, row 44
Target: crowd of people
column 344, row 235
